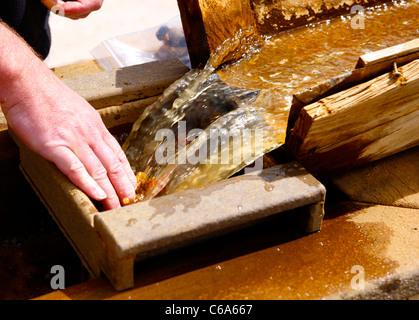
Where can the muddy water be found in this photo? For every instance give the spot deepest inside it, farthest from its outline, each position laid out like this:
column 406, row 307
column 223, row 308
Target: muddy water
column 298, row 59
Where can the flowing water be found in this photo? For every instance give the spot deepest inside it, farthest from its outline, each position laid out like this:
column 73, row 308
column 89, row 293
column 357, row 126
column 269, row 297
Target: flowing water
column 211, row 123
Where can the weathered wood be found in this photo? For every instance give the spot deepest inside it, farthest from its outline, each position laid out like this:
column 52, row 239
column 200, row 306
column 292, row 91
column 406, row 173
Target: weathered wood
column 208, row 23
column 273, row 16
column 391, row 181
column 104, row 247
column 274, row 262
column 370, row 121
column 127, row 113
column 55, row 190
column 116, row 87
column 166, row 223
column 77, row 69
column 389, row 54
column 379, row 62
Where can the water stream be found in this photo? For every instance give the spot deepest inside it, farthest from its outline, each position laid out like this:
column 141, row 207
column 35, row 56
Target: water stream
column 211, row 123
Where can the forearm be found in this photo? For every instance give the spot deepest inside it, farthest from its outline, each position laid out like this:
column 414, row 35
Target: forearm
column 20, row 68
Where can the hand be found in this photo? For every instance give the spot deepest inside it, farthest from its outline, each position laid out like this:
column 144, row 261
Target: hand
column 61, row 126
column 73, row 9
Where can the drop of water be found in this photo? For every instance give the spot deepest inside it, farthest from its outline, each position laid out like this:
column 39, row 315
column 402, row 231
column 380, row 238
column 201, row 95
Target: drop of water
column 240, row 208
column 269, row 187
column 131, row 222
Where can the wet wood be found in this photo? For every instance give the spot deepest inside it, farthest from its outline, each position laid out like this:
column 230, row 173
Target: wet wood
column 389, row 54
column 273, row 16
column 361, row 124
column 127, row 113
column 208, row 23
column 274, row 261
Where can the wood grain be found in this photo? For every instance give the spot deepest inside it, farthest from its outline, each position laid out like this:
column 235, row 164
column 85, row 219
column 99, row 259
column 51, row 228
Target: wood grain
column 208, row 24
column 368, row 122
column 390, row 181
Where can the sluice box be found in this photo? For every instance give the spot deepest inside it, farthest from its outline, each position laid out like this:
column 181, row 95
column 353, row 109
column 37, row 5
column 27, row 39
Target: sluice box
column 355, row 118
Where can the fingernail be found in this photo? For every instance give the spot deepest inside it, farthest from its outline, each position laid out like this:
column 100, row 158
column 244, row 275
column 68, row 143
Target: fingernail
column 100, row 194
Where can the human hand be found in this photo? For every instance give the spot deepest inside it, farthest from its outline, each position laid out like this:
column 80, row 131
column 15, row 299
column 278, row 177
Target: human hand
column 73, row 9
column 57, row 123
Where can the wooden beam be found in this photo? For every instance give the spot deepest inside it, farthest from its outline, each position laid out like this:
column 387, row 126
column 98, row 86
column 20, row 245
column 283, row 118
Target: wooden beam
column 273, row 16
column 389, row 54
column 361, row 124
column 116, row 87
column 208, row 23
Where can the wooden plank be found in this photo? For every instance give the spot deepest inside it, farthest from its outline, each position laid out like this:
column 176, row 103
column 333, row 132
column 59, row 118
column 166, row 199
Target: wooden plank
column 389, row 54
column 127, row 113
column 382, row 64
column 169, row 222
column 391, row 181
column 273, row 262
column 63, row 200
column 77, row 69
column 209, row 23
column 370, row 121
column 116, row 87
column 277, row 15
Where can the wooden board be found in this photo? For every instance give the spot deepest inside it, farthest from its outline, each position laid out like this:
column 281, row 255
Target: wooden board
column 390, row 54
column 116, row 87
column 391, row 181
column 110, row 242
column 208, row 23
column 77, row 69
column 361, row 124
column 275, row 263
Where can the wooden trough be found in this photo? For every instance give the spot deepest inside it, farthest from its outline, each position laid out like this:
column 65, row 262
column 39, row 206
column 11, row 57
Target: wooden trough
column 111, row 242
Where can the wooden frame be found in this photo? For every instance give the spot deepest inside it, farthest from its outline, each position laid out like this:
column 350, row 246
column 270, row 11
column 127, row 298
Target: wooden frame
column 110, row 242
column 362, row 118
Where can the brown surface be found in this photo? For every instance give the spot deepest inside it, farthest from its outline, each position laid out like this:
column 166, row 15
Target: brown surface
column 275, row 261
column 77, row 69
column 116, row 87
column 392, row 181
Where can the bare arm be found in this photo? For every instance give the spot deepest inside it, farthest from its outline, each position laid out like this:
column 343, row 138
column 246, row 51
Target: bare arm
column 57, row 123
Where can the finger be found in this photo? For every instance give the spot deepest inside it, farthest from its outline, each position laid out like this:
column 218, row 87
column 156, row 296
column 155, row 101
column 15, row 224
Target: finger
column 67, row 162
column 116, row 171
column 52, row 3
column 116, row 148
column 99, row 173
column 81, row 8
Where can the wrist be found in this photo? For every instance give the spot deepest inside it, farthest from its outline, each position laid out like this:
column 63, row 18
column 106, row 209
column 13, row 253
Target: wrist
column 20, row 68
